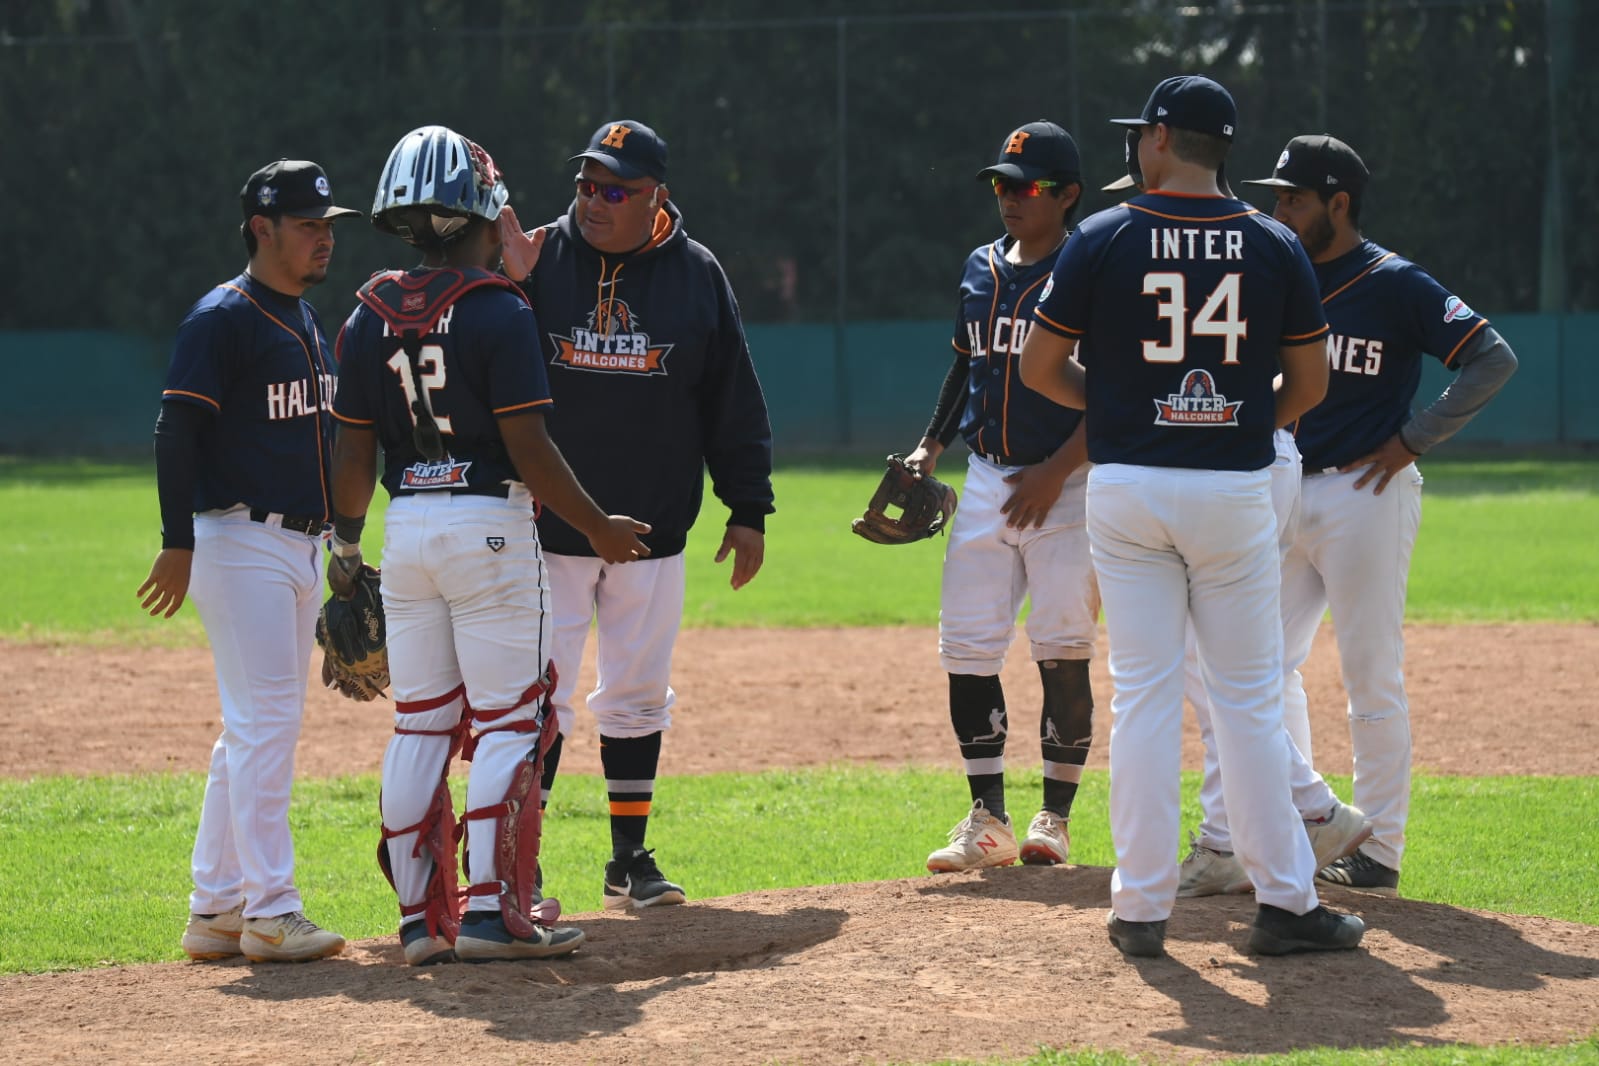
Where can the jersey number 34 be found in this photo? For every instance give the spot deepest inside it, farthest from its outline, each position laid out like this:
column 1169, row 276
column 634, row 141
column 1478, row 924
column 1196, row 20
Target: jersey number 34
column 1218, row 317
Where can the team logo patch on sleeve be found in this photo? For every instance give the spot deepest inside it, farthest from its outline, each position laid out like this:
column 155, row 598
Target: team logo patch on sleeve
column 1455, row 310
column 613, row 343
column 1049, row 287
column 1197, row 403
column 447, row 473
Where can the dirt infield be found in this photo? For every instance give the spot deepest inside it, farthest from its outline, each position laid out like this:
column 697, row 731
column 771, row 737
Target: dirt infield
column 962, row 965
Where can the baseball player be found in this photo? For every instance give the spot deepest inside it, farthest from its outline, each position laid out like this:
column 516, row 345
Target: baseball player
column 242, row 453
column 1335, row 828
column 1360, row 505
column 641, row 331
column 437, row 365
column 1020, row 531
column 1181, row 304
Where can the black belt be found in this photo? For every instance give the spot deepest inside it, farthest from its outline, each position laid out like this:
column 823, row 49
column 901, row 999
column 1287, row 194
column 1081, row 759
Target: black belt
column 501, row 491
column 1000, row 461
column 310, row 525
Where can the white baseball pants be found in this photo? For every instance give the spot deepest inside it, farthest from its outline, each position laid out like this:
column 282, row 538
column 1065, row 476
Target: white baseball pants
column 639, row 609
column 990, row 568
column 1170, row 544
column 258, row 588
column 1352, row 555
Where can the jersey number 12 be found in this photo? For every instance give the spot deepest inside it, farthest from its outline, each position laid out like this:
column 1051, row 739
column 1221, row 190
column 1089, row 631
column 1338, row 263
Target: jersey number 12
column 430, row 361
column 1217, row 318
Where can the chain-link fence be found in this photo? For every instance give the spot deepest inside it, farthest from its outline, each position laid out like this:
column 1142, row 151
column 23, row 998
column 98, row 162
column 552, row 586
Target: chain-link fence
column 828, row 160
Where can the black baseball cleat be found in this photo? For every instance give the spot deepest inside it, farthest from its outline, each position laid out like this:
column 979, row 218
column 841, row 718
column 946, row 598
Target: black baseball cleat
column 1143, row 940
column 1280, row 932
column 1362, row 873
column 484, row 938
column 633, row 880
column 422, row 948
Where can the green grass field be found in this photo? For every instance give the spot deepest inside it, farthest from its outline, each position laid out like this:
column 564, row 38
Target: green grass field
column 1500, row 541
column 1507, row 540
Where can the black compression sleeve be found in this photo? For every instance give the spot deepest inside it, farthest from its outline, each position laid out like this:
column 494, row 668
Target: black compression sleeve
column 178, row 430
column 947, row 412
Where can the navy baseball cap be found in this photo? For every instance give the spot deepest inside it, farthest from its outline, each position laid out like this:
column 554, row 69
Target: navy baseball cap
column 1037, row 150
column 295, row 187
column 1318, row 161
column 1189, row 102
column 627, row 149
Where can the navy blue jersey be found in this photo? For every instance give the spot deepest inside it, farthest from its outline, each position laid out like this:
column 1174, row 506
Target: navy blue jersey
column 478, row 363
column 1385, row 313
column 654, row 383
column 259, row 360
column 1181, row 304
column 1004, row 420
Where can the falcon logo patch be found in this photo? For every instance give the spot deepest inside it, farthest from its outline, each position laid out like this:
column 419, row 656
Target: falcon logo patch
column 1455, row 310
column 613, row 343
column 1197, row 403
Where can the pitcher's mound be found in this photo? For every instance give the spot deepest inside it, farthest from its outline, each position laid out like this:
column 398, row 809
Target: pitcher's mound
column 979, row 965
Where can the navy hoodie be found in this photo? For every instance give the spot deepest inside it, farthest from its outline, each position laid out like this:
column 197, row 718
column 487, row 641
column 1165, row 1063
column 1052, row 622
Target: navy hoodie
column 652, row 382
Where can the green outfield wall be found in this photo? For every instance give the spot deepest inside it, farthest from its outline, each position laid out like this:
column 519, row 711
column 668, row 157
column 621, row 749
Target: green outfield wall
column 868, row 386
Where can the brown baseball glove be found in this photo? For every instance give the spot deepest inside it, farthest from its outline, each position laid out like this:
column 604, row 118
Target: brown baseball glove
column 353, row 637
column 924, row 503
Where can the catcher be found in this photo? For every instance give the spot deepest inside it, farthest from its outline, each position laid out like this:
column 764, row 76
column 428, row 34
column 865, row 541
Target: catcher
column 1022, row 529
column 440, row 366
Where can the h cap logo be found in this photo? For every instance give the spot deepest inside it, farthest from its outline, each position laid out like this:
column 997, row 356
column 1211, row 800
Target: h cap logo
column 1017, row 139
column 617, row 135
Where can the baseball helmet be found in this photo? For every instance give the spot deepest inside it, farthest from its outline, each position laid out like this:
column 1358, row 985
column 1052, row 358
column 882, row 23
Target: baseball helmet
column 434, row 183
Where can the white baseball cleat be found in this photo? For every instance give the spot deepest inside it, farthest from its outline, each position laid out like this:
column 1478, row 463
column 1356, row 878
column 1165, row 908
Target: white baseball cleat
column 1338, row 834
column 290, row 937
column 1047, row 843
column 214, row 936
column 977, row 841
column 1207, row 872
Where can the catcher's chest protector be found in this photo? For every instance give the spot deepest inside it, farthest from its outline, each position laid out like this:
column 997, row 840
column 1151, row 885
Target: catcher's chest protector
column 414, row 303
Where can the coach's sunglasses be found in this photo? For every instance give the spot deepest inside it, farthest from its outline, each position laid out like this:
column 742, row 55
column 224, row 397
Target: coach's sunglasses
column 611, row 194
column 1028, row 189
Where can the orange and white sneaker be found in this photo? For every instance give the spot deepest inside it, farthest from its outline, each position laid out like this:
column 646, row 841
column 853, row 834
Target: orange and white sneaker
column 1047, row 842
column 214, row 936
column 288, row 937
column 977, row 841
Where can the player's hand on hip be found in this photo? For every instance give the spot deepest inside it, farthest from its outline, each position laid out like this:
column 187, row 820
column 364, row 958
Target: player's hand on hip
column 1037, row 489
column 1390, row 457
column 748, row 547
column 924, row 460
column 519, row 251
column 163, row 591
column 617, row 541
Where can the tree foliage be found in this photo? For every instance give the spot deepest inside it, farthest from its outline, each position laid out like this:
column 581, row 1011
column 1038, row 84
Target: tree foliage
column 130, row 125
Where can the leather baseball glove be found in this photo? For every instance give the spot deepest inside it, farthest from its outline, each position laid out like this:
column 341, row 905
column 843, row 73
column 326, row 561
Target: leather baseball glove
column 925, row 506
column 353, row 638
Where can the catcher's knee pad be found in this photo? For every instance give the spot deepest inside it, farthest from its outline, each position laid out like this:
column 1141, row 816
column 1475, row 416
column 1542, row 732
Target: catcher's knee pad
column 518, row 816
column 438, row 832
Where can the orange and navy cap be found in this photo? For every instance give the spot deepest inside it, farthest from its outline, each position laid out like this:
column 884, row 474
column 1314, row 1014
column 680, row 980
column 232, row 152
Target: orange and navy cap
column 627, row 149
column 1037, row 150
